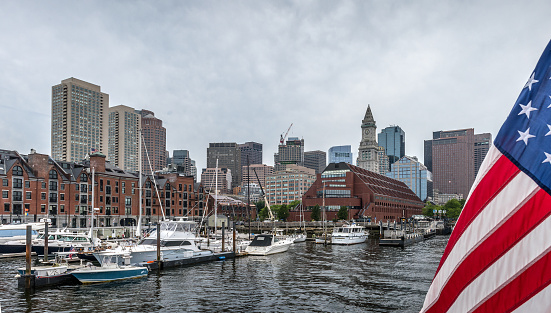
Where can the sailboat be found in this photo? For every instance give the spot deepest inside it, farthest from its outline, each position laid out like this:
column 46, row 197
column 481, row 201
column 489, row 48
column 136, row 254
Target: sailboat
column 323, row 239
column 301, row 237
column 266, row 244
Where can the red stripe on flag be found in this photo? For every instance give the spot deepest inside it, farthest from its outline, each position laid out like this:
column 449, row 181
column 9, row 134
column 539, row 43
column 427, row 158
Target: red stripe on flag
column 531, row 214
column 501, row 173
column 533, row 280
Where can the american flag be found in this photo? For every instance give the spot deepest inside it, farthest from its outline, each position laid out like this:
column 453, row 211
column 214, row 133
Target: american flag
column 498, row 257
column 93, row 150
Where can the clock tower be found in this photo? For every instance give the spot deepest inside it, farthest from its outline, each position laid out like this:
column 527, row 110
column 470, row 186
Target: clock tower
column 367, row 152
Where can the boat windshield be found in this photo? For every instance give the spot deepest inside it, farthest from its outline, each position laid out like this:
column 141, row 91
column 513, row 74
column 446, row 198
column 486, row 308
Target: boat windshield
column 261, row 241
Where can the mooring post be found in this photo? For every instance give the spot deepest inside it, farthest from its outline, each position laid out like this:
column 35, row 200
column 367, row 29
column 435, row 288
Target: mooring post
column 234, row 242
column 46, row 241
column 28, row 243
column 159, row 264
column 223, row 237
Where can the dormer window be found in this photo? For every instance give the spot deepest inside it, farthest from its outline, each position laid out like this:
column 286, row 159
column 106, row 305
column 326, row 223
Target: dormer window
column 53, row 174
column 17, row 171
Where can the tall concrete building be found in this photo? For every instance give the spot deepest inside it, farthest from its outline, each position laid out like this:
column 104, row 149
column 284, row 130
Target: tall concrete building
column 338, row 154
column 229, row 156
column 414, row 174
column 221, row 182
column 368, row 152
column 292, row 152
column 316, row 160
column 393, row 139
column 454, row 158
column 383, row 161
column 261, row 170
column 124, row 127
column 288, row 185
column 154, row 146
column 79, row 120
column 181, row 163
column 252, row 150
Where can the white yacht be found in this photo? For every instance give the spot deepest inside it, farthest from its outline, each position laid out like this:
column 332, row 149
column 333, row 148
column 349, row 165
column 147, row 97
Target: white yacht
column 348, row 234
column 63, row 241
column 178, row 241
column 13, row 238
column 266, row 244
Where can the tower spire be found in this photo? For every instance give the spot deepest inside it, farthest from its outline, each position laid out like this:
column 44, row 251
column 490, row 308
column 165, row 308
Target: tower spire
column 368, row 115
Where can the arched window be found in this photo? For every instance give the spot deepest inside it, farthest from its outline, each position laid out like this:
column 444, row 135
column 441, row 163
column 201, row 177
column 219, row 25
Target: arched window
column 83, row 177
column 17, row 171
column 53, row 174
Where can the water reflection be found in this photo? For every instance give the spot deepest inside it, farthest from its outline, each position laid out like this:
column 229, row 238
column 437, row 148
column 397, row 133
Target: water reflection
column 309, row 277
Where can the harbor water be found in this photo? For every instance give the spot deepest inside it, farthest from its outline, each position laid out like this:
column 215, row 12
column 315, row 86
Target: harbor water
column 309, row 277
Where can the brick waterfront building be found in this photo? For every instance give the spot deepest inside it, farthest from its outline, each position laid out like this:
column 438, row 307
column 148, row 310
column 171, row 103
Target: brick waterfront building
column 35, row 186
column 365, row 193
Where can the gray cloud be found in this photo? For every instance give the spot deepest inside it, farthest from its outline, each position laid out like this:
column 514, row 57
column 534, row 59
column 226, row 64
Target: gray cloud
column 243, row 71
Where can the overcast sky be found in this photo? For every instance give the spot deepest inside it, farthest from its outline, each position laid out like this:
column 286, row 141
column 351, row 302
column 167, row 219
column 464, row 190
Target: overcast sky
column 238, row 71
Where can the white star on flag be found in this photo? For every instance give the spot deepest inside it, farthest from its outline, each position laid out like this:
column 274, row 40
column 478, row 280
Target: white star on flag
column 549, row 106
column 530, row 82
column 526, row 109
column 549, row 132
column 524, row 136
column 547, row 158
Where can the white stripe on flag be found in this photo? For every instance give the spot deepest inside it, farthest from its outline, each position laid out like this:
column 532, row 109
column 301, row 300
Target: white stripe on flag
column 541, row 302
column 489, row 160
column 530, row 248
column 512, row 196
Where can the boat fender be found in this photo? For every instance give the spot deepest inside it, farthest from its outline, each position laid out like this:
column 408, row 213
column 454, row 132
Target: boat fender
column 150, row 262
column 221, row 257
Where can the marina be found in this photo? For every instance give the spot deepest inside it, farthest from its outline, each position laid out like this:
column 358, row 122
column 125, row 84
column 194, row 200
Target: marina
column 308, row 277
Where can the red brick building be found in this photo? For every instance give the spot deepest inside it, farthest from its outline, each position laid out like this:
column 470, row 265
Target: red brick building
column 35, row 186
column 365, row 193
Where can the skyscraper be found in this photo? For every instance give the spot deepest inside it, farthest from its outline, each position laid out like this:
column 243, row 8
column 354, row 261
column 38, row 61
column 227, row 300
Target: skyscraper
column 124, row 127
column 368, row 157
column 182, row 163
column 414, row 174
column 252, row 150
column 316, row 160
column 453, row 161
column 155, row 142
column 79, row 120
column 229, row 156
column 393, row 139
column 292, row 152
column 339, row 154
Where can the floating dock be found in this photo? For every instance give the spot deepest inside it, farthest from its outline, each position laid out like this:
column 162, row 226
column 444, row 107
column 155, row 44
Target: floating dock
column 189, row 261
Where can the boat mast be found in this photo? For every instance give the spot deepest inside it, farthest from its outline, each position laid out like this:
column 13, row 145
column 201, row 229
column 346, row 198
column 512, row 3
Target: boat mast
column 216, row 197
column 138, row 228
column 324, row 219
column 92, row 221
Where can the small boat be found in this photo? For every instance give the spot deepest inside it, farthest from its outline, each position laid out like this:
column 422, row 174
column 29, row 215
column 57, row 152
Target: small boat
column 323, row 239
column 266, row 244
column 299, row 238
column 57, row 272
column 348, row 235
column 110, row 270
column 65, row 241
column 13, row 238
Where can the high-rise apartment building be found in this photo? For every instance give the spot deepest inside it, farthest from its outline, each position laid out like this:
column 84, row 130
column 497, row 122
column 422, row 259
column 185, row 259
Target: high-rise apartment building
column 252, row 150
column 182, row 163
column 414, row 174
column 368, row 152
column 154, row 147
column 124, row 128
column 393, row 139
column 340, row 154
column 79, row 120
column 229, row 156
column 316, row 160
column 261, row 170
column 292, row 152
column 289, row 184
column 454, row 158
column 383, row 161
column 221, row 182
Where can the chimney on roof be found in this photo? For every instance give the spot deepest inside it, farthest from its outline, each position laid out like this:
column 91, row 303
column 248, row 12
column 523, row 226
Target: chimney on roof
column 97, row 161
column 39, row 163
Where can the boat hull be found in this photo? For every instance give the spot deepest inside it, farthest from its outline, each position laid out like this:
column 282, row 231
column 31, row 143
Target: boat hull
column 348, row 240
column 100, row 275
column 268, row 250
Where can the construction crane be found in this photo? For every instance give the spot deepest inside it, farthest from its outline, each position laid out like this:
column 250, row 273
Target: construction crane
column 282, row 138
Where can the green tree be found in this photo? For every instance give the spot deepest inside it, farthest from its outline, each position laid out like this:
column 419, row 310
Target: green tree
column 263, row 214
column 343, row 213
column 283, row 212
column 259, row 205
column 453, row 208
column 293, row 204
column 316, row 213
column 429, row 208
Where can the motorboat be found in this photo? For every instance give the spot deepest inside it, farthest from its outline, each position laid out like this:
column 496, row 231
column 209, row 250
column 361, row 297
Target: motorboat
column 65, row 241
column 348, row 234
column 323, row 239
column 299, row 238
column 13, row 238
column 53, row 273
column 177, row 241
column 110, row 270
column 266, row 244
